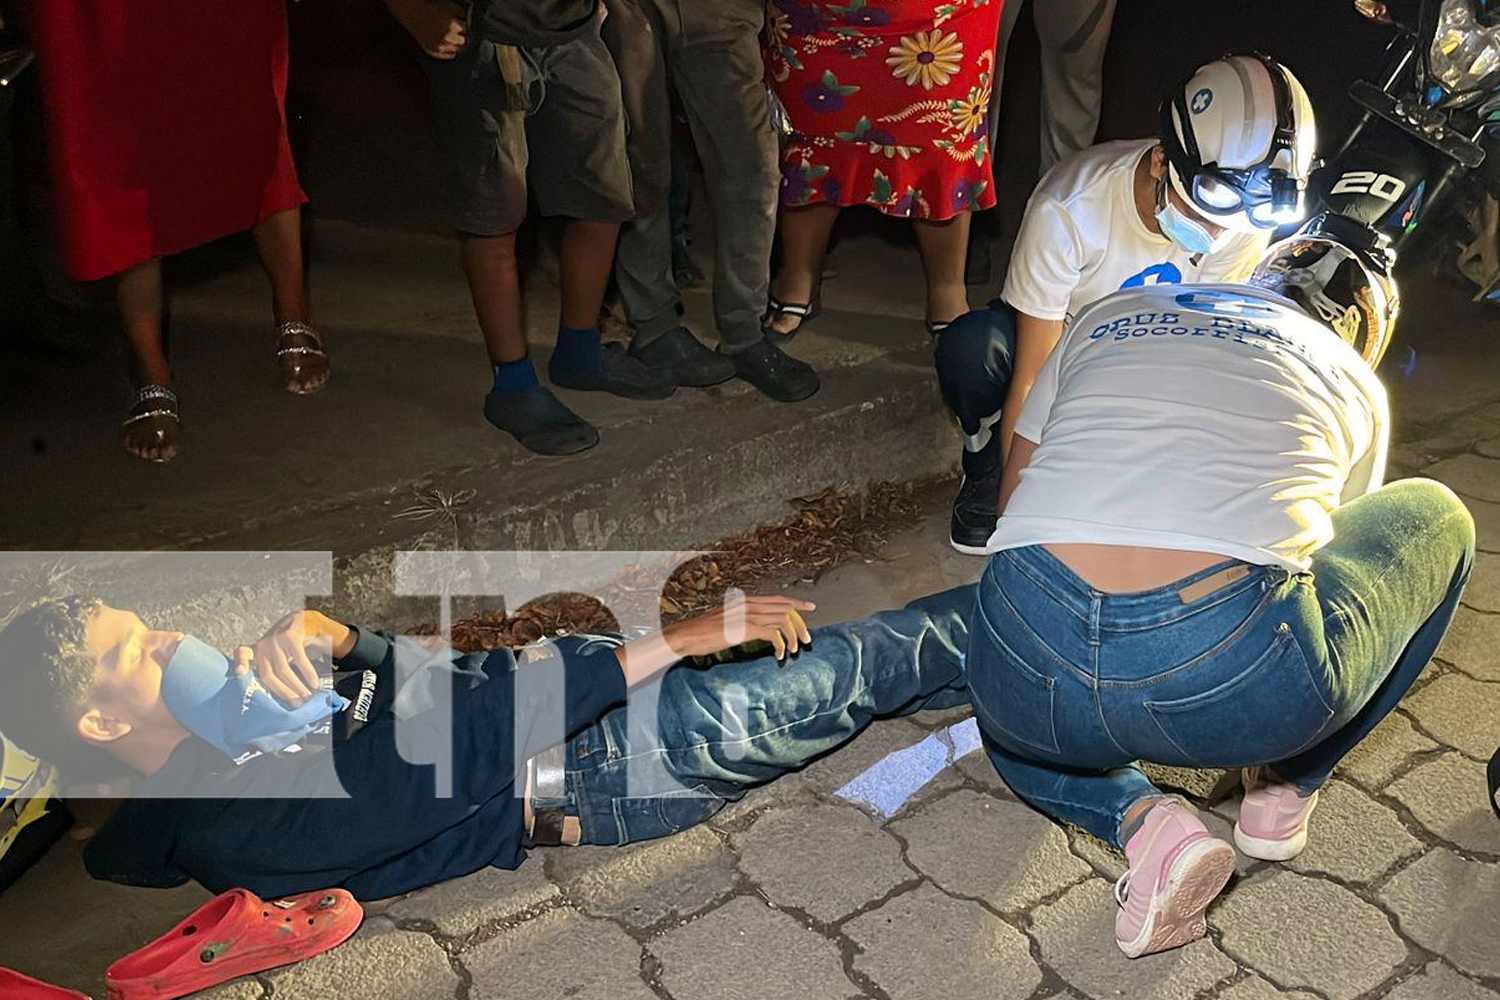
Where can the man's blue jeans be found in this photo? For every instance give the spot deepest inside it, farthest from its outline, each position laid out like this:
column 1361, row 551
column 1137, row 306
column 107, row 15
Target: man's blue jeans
column 1072, row 686
column 700, row 738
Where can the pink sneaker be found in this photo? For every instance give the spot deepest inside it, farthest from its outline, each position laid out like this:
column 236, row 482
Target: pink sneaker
column 1176, row 869
column 1273, row 817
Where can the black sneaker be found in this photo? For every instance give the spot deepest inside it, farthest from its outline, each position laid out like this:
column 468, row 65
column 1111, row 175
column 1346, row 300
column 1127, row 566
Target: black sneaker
column 975, row 511
column 775, row 372
column 540, row 421
column 687, row 358
column 618, row 374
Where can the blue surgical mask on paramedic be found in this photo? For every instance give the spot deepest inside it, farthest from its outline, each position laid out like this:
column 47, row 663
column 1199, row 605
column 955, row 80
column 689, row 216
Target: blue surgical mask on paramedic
column 1188, row 234
column 234, row 712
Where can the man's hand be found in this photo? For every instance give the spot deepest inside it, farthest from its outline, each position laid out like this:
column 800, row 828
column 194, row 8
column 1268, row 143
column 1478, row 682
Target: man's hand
column 280, row 659
column 438, row 27
column 777, row 620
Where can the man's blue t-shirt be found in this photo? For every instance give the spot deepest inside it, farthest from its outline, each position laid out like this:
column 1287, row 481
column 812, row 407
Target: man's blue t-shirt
column 286, row 822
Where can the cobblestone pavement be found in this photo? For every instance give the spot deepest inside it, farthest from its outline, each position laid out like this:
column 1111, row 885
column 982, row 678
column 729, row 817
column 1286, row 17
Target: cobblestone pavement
column 963, row 892
column 795, row 893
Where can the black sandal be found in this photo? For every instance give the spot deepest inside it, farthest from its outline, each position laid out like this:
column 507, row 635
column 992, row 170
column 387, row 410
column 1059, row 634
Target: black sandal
column 152, row 427
column 776, row 309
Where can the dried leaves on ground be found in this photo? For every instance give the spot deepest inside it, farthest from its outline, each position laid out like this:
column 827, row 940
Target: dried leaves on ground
column 824, row 531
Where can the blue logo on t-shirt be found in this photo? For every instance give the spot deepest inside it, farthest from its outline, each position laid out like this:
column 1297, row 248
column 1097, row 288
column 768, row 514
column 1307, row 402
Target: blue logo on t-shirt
column 1157, row 274
column 1222, row 303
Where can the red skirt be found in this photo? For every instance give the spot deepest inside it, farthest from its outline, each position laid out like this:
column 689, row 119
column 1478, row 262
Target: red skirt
column 166, row 123
column 889, row 103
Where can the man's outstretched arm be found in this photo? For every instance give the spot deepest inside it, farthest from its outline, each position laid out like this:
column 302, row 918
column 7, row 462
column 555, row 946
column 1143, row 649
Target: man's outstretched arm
column 282, row 662
column 775, row 619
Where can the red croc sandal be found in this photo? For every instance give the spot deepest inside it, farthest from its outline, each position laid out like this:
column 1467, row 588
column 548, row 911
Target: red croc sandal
column 14, row 986
column 234, row 934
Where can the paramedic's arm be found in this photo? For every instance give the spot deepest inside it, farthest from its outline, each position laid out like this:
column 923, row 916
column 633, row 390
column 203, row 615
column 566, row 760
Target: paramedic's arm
column 1035, row 341
column 1045, row 268
column 1030, row 420
column 1021, row 450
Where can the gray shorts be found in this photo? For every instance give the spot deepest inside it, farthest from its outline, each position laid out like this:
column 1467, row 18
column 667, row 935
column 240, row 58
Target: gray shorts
column 567, row 122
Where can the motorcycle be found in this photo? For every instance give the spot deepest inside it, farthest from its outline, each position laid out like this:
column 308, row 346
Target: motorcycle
column 1421, row 164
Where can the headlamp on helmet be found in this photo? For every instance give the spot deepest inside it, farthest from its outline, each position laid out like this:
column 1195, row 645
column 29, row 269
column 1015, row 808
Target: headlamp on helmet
column 1263, row 195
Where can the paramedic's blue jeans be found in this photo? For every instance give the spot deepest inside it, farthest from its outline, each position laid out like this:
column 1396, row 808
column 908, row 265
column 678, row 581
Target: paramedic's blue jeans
column 974, row 357
column 715, row 733
column 1072, row 686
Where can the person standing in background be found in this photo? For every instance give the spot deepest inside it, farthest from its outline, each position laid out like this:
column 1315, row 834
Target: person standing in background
column 167, row 131
column 517, row 82
column 889, row 107
column 1074, row 35
column 710, row 54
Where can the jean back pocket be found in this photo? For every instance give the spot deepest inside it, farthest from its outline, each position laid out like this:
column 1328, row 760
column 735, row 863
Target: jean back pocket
column 1266, row 712
column 1014, row 702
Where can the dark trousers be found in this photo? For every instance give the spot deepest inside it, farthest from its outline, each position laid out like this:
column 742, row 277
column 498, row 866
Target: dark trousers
column 974, row 358
column 567, row 120
column 709, row 50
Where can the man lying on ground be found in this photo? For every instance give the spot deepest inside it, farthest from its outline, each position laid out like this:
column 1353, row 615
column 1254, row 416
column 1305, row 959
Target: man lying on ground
column 1197, row 565
column 237, row 790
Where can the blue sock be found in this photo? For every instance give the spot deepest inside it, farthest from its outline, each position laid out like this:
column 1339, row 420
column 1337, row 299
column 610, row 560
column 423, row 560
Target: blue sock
column 577, row 350
column 515, row 376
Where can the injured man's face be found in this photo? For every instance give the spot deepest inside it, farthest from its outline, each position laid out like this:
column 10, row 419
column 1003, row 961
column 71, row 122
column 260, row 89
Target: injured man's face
column 129, row 661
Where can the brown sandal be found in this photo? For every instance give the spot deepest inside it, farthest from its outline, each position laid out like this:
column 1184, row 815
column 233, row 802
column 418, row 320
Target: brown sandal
column 299, row 352
column 152, row 427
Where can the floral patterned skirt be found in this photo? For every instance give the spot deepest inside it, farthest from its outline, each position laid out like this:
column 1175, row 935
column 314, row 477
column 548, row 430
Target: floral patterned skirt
column 888, row 102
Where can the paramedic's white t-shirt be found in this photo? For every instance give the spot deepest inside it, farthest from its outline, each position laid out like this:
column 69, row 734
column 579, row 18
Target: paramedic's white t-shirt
column 1211, row 418
column 1083, row 238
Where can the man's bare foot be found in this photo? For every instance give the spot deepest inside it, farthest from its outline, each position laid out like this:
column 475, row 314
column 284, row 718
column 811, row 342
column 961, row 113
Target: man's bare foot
column 152, row 428
column 300, row 355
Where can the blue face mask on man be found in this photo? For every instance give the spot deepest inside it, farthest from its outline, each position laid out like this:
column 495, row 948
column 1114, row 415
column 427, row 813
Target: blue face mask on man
column 1187, row 233
column 234, row 712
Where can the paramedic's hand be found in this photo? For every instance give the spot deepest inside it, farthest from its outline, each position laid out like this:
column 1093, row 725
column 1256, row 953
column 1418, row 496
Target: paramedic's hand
column 280, row 659
column 437, row 25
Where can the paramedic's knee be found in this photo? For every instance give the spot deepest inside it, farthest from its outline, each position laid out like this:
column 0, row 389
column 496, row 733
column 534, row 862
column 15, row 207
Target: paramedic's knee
column 974, row 358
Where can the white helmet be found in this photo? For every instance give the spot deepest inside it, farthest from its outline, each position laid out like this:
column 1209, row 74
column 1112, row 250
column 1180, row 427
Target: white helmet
column 1239, row 136
column 1339, row 271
